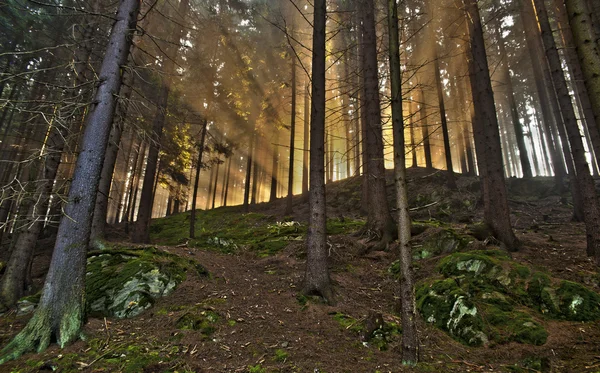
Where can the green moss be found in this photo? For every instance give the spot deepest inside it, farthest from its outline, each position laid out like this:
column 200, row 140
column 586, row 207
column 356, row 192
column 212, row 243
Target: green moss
column 256, row 369
column 513, row 326
column 280, row 355
column 438, row 241
column 204, row 321
column 124, row 282
column 447, row 306
column 227, row 230
column 343, row 225
column 347, row 322
column 578, row 303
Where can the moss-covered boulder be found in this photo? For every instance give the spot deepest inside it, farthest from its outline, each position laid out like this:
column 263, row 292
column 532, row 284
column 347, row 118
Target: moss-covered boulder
column 446, row 305
column 123, row 283
column 436, row 241
column 485, row 296
column 567, row 300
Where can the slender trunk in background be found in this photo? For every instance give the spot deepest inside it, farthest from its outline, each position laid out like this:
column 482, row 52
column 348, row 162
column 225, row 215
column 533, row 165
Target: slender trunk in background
column 214, row 190
column 124, row 172
column 584, row 182
column 274, row 167
column 197, row 179
column 108, row 167
column 60, row 312
column 546, row 97
column 316, row 277
column 249, row 164
column 226, row 188
column 141, row 233
column 306, row 142
column 256, row 160
column 290, row 191
column 364, row 201
column 410, row 344
column 487, row 138
column 425, row 132
column 209, row 187
column 132, row 181
column 445, row 131
column 140, row 167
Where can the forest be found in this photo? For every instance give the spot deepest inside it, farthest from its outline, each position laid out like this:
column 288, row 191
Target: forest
column 299, row 186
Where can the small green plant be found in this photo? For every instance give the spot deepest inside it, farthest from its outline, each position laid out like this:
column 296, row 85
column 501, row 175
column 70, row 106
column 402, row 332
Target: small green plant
column 280, row 355
column 256, row 369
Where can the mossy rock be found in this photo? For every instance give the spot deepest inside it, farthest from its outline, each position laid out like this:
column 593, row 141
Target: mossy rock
column 568, row 301
column 437, row 241
column 447, row 306
column 578, row 303
column 513, row 326
column 122, row 283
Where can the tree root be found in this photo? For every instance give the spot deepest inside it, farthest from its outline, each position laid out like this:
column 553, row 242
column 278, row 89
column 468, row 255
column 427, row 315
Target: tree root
column 40, row 332
column 35, row 336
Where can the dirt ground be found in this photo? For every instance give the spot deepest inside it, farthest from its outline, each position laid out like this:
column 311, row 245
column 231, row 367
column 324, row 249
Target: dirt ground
column 265, row 325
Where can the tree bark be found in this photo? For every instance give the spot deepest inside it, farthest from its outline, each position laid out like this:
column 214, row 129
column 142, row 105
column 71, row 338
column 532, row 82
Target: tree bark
column 290, row 191
column 487, row 138
column 410, row 344
column 448, row 154
column 588, row 49
column 197, row 179
column 379, row 219
column 316, row 278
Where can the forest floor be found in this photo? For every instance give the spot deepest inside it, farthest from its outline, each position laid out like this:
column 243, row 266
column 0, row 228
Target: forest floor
column 258, row 321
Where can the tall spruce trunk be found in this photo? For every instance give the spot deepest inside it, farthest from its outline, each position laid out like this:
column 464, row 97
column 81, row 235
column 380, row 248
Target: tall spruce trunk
column 379, row 219
column 197, row 179
column 410, row 344
column 445, row 131
column 274, row 167
column 487, row 137
column 305, row 140
column 425, row 131
column 60, row 313
column 290, row 190
column 316, row 277
column 510, row 97
column 584, row 182
column 588, row 49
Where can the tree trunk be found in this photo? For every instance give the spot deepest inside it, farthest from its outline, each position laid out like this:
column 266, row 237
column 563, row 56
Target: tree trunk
column 108, row 169
column 226, row 186
column 379, row 219
column 579, row 80
column 316, row 278
column 274, row 167
column 510, row 97
column 305, row 140
column 487, row 138
column 438, row 82
column 425, row 132
column 290, row 191
column 197, row 179
column 584, row 182
column 588, row 50
column 60, row 312
column 410, row 344
column 249, row 164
